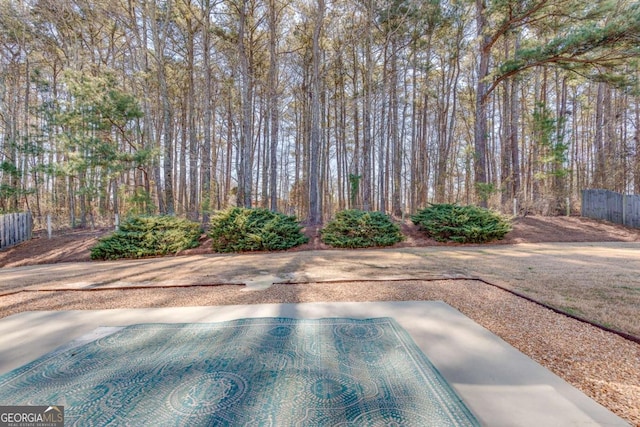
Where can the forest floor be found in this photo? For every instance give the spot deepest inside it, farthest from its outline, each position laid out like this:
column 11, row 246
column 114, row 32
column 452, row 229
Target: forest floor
column 75, row 245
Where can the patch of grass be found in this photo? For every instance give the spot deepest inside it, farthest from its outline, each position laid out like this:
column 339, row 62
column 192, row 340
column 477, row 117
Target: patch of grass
column 142, row 236
column 628, row 288
column 574, row 311
column 242, row 230
column 360, row 229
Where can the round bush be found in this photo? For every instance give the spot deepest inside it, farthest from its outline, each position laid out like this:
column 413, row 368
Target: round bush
column 242, row 229
column 360, row 229
column 142, row 236
column 461, row 224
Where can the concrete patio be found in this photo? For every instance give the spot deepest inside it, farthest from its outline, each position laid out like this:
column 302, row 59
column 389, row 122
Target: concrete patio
column 500, row 385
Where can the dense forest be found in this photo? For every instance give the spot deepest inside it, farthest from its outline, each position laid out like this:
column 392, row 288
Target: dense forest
column 309, row 107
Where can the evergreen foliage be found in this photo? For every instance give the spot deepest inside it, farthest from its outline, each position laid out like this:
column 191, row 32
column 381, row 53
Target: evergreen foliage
column 598, row 45
column 549, row 137
column 244, row 229
column 96, row 119
column 359, row 229
column 142, row 236
column 461, row 224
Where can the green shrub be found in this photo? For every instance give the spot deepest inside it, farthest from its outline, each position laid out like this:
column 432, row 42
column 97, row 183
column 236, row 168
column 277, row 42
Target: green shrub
column 243, row 229
column 461, row 224
column 360, row 229
column 141, row 236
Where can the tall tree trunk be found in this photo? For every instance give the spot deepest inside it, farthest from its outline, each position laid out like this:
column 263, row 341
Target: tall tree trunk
column 367, row 111
column 506, row 171
column 181, row 160
column 514, row 118
column 229, row 152
column 274, row 105
column 208, row 114
column 71, row 197
column 264, row 152
column 609, row 140
column 383, row 141
column 339, row 131
column 246, row 95
column 315, row 208
column 149, row 138
column 396, row 148
column 600, row 160
column 539, row 150
column 192, row 204
column 413, row 179
column 355, row 199
column 167, row 109
column 559, row 188
column 481, row 129
column 445, row 119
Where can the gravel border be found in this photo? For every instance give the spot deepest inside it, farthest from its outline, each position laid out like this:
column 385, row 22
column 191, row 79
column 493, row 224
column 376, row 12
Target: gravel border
column 603, row 365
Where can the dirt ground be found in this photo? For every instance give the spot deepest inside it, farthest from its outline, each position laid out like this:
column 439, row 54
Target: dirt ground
column 75, row 245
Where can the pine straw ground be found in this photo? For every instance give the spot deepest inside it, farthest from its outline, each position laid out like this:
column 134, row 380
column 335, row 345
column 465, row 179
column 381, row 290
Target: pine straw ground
column 603, row 365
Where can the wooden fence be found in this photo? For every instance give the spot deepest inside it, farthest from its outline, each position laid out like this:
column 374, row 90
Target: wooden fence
column 15, row 228
column 611, row 206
